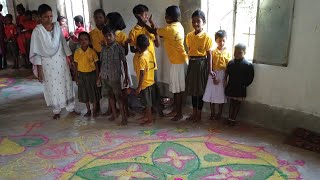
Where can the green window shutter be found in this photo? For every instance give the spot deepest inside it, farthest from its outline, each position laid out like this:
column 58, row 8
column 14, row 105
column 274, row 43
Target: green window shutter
column 273, row 32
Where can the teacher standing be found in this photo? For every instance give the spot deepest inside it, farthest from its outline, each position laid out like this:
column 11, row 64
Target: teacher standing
column 48, row 53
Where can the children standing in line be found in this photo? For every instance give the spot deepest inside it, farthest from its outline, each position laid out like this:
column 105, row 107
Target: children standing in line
column 87, row 74
column 112, row 56
column 11, row 39
column 173, row 35
column 214, row 93
column 144, row 69
column 239, row 75
column 199, row 45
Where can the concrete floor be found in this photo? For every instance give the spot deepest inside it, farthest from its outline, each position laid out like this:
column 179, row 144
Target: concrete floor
column 33, row 146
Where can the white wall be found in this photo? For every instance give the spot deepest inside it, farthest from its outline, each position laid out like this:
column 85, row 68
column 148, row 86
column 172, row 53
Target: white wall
column 157, row 9
column 297, row 86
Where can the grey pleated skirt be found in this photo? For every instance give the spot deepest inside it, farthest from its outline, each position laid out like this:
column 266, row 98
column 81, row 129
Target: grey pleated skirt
column 197, row 76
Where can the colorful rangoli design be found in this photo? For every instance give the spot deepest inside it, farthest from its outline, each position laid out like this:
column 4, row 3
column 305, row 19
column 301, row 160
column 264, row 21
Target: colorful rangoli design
column 181, row 159
column 4, row 82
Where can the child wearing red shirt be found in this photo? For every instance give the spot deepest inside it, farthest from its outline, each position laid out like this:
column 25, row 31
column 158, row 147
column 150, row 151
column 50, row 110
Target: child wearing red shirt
column 21, row 10
column 28, row 25
column 10, row 31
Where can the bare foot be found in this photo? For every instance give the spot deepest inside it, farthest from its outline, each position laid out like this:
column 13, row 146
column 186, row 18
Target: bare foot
column 218, row 116
column 56, row 116
column 95, row 114
column 124, row 122
column 112, row 118
column 191, row 118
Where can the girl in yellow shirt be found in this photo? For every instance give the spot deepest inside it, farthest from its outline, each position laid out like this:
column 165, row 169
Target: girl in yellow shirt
column 87, row 71
column 199, row 46
column 214, row 93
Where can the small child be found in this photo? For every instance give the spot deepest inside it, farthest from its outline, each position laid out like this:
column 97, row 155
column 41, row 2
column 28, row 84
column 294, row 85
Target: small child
column 11, row 39
column 87, row 74
column 96, row 35
column 144, row 69
column 199, row 45
column 74, row 43
column 239, row 75
column 78, row 21
column 214, row 93
column 35, row 16
column 112, row 56
column 28, row 25
column 64, row 27
column 21, row 17
column 173, row 35
column 115, row 20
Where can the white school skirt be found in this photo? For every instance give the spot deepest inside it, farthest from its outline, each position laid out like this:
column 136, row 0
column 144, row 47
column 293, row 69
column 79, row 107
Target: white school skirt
column 177, row 78
column 215, row 93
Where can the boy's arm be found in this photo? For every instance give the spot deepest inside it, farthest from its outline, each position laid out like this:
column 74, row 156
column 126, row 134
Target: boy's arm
column 142, row 72
column 156, row 41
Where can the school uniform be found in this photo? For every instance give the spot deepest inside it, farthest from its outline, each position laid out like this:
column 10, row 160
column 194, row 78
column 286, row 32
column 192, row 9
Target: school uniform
column 197, row 73
column 87, row 76
column 11, row 32
column 214, row 93
column 173, row 36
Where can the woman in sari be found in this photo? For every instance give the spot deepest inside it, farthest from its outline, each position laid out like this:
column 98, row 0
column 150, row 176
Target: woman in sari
column 48, row 53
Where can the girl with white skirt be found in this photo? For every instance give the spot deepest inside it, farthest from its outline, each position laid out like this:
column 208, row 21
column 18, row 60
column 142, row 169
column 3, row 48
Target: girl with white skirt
column 214, row 93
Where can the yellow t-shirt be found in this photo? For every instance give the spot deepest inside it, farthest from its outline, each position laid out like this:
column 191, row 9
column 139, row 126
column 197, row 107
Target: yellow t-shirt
column 173, row 35
column 135, row 32
column 220, row 59
column 198, row 44
column 86, row 59
column 96, row 36
column 144, row 61
column 121, row 37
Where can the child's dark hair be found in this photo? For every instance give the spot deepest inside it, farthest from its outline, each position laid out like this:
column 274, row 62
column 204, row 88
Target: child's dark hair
column 43, row 8
column 60, row 18
column 78, row 19
column 84, row 33
column 21, row 7
column 35, row 12
column 174, row 13
column 108, row 29
column 220, row 34
column 240, row 46
column 99, row 11
column 9, row 16
column 1, row 7
column 28, row 13
column 200, row 14
column 139, row 9
column 143, row 41
column 116, row 20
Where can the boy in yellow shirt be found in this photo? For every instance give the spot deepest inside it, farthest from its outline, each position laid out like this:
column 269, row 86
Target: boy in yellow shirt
column 141, row 13
column 144, row 68
column 173, row 35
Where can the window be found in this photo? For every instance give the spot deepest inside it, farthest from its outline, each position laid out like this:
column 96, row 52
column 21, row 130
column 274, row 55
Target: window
column 5, row 7
column 237, row 18
column 263, row 25
column 75, row 8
